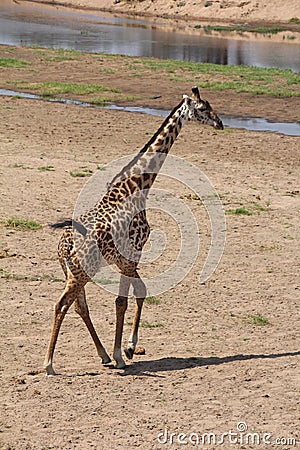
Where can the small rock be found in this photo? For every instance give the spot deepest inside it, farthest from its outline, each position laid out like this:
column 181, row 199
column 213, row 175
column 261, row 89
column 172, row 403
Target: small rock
column 139, row 351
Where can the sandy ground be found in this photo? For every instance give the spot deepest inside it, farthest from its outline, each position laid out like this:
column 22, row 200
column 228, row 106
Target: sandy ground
column 209, row 365
column 223, row 10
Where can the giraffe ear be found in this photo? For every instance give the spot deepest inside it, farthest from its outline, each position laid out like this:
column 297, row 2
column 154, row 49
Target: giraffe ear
column 196, row 93
column 187, row 99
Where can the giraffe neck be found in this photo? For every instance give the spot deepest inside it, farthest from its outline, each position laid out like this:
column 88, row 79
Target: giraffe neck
column 142, row 170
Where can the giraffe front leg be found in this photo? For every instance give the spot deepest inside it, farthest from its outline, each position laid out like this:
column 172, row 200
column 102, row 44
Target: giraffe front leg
column 121, row 306
column 82, row 309
column 133, row 338
column 140, row 294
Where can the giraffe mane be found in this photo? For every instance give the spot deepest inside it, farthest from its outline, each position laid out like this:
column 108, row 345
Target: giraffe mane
column 120, row 175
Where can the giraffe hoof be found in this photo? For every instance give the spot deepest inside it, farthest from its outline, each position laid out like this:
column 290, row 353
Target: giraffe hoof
column 50, row 372
column 106, row 361
column 120, row 365
column 129, row 352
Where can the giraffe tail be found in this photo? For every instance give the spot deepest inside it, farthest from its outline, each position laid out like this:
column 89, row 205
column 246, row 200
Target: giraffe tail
column 70, row 223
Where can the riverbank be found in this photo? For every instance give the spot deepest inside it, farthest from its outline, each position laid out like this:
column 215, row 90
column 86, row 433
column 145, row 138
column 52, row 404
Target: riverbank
column 150, row 82
column 238, row 11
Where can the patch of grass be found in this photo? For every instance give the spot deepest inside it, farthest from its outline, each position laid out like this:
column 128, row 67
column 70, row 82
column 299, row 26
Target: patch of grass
column 82, row 174
column 257, row 319
column 294, row 20
column 53, row 88
column 105, row 100
column 101, row 168
column 269, row 247
column 79, row 174
column 206, row 4
column 20, row 224
column 105, row 280
column 209, row 28
column 152, row 300
column 239, row 211
column 253, row 207
column 151, row 325
column 258, row 87
column 58, row 55
column 244, row 28
column 259, row 207
column 254, row 80
column 17, row 166
column 46, row 168
column 52, row 278
column 267, row 30
column 59, row 58
column 38, row 50
column 11, row 276
column 15, row 63
column 107, row 70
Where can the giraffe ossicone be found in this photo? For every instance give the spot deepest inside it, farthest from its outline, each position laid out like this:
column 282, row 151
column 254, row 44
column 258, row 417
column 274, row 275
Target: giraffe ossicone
column 115, row 229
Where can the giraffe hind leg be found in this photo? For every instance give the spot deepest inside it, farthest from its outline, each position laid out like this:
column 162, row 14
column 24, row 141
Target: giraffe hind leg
column 82, row 309
column 61, row 307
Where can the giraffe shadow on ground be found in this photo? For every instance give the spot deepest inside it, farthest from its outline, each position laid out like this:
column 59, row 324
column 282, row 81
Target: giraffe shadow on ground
column 158, row 367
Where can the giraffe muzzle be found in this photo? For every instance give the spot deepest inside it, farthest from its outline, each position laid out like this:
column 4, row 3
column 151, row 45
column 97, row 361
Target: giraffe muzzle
column 218, row 124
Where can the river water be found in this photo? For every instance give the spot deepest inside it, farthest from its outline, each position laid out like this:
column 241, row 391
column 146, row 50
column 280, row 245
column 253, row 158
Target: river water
column 27, row 24
column 247, row 123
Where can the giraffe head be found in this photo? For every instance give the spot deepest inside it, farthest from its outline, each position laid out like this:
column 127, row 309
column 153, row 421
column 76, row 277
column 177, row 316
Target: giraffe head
column 201, row 111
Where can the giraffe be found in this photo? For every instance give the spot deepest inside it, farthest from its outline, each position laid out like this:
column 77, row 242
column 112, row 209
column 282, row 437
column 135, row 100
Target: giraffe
column 116, row 229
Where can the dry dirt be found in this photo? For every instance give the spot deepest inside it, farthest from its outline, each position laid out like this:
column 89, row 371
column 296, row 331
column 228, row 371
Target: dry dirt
column 209, row 366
